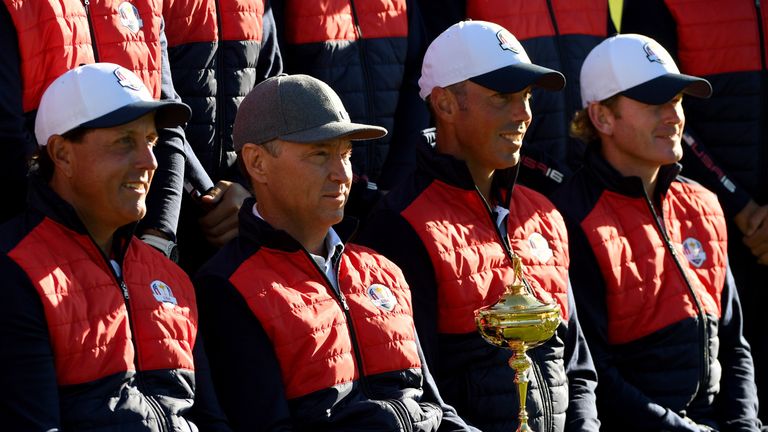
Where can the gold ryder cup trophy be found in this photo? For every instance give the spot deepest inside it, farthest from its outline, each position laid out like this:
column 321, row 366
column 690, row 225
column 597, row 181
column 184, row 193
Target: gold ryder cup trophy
column 519, row 322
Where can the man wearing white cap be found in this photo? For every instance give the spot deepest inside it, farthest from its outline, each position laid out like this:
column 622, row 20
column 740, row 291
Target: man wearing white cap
column 458, row 223
column 649, row 254
column 98, row 330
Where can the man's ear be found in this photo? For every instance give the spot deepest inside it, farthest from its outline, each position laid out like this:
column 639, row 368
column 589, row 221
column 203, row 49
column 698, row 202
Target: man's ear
column 255, row 162
column 444, row 103
column 602, row 117
column 60, row 151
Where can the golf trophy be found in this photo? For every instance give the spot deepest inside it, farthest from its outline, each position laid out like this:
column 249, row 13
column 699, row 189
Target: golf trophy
column 518, row 322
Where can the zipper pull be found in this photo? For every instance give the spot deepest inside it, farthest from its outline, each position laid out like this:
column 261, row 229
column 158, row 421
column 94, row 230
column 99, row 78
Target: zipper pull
column 343, row 301
column 124, row 287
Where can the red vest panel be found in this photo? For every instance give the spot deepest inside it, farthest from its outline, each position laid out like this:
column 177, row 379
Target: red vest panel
column 196, row 20
column 528, row 19
column 645, row 291
column 309, row 21
column 307, row 325
column 471, row 267
column 714, row 39
column 90, row 327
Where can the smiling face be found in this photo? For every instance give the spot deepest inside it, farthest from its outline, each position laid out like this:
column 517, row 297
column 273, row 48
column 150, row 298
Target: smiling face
column 305, row 186
column 491, row 126
column 106, row 175
column 645, row 137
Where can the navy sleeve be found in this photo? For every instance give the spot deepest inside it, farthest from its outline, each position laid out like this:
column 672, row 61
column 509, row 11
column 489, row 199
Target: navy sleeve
column 176, row 162
column 411, row 114
column 17, row 141
column 30, row 396
column 582, row 377
column 389, row 234
column 652, row 18
column 244, row 367
column 270, row 61
column 615, row 393
column 736, row 404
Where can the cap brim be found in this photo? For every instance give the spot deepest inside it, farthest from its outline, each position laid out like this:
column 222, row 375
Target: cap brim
column 662, row 89
column 331, row 131
column 169, row 114
column 515, row 78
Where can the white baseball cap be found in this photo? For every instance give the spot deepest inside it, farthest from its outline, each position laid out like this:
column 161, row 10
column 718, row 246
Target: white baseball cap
column 486, row 54
column 100, row 95
column 637, row 67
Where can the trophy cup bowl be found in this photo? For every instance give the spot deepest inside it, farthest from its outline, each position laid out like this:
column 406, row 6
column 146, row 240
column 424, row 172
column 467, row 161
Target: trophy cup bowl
column 518, row 322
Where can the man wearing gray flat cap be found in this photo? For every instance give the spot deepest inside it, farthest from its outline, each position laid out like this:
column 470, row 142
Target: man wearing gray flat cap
column 305, row 331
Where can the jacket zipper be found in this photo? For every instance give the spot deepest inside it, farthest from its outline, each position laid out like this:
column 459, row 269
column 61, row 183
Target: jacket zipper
column 703, row 332
column 342, row 300
column 371, row 114
column 218, row 131
column 547, row 416
column 153, row 404
column 87, row 6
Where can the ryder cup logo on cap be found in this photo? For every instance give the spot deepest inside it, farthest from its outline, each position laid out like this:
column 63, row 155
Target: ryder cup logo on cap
column 100, row 95
column 486, row 54
column 637, row 67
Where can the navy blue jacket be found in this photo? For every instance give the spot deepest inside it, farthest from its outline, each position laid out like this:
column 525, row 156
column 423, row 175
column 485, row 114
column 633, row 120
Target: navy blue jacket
column 658, row 303
column 473, row 375
column 289, row 351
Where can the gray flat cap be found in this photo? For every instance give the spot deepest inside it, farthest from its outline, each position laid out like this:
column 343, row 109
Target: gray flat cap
column 296, row 108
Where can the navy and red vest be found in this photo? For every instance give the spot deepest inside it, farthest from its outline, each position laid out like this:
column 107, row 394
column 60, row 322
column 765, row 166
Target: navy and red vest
column 218, row 51
column 359, row 48
column 655, row 309
column 470, row 260
column 467, row 264
column 345, row 358
column 557, row 34
column 58, row 35
column 632, row 254
column 130, row 335
column 309, row 328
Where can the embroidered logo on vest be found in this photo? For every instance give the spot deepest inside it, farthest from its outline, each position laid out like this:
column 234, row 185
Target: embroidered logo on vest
column 129, row 17
column 694, row 252
column 540, row 247
column 162, row 292
column 382, row 297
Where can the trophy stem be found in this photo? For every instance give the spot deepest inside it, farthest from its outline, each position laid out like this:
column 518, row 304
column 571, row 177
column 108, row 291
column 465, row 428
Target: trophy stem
column 520, row 362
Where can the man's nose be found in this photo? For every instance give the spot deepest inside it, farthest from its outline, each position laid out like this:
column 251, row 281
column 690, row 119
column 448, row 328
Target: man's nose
column 146, row 158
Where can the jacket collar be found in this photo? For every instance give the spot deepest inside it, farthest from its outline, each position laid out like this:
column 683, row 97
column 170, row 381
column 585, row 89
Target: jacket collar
column 455, row 172
column 631, row 186
column 261, row 232
column 43, row 199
